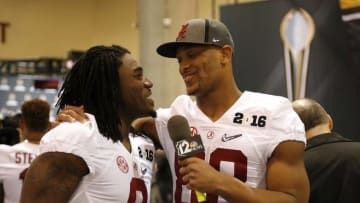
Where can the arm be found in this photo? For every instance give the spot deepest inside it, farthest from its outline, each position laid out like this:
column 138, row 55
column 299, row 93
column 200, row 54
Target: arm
column 287, row 181
column 53, row 177
column 1, row 193
column 70, row 114
column 146, row 125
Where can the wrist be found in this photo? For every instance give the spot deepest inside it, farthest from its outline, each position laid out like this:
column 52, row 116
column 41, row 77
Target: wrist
column 221, row 184
column 233, row 189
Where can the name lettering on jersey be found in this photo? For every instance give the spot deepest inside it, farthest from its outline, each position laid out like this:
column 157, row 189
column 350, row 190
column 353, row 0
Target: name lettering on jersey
column 122, row 164
column 146, row 154
column 226, row 137
column 252, row 120
column 24, row 157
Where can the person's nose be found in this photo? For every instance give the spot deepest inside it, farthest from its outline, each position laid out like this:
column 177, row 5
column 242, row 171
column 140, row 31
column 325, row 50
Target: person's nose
column 148, row 83
column 183, row 66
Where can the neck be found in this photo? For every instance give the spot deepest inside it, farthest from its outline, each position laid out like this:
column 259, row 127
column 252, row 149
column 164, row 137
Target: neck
column 33, row 141
column 317, row 130
column 125, row 129
column 33, row 137
column 216, row 103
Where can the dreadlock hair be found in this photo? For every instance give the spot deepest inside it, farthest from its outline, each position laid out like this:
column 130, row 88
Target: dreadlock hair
column 94, row 82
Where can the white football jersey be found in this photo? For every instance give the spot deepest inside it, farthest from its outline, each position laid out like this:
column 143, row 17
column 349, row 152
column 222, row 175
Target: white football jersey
column 239, row 143
column 14, row 160
column 143, row 153
column 115, row 174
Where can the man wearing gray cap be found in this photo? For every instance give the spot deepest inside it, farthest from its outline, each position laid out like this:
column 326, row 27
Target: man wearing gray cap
column 253, row 142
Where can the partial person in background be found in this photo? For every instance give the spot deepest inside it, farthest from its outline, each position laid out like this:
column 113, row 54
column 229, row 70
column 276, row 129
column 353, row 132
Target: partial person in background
column 332, row 161
column 101, row 159
column 10, row 133
column 162, row 184
column 14, row 160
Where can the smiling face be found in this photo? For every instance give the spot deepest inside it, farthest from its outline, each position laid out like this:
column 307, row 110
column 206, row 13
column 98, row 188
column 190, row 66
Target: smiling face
column 135, row 89
column 200, row 67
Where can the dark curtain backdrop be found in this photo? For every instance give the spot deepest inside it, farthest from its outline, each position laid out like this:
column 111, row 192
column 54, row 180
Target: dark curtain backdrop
column 333, row 80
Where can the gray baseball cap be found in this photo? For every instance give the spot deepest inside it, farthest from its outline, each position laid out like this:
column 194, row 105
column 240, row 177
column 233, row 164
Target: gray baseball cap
column 198, row 32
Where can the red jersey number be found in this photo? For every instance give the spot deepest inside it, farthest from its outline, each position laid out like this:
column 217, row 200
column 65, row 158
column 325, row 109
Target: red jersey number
column 137, row 185
column 216, row 157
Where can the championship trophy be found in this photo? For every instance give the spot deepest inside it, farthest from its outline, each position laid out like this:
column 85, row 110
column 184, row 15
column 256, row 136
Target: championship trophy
column 297, row 31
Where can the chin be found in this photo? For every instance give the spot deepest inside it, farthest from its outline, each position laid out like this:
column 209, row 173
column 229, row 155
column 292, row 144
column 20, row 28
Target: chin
column 192, row 90
column 151, row 113
column 190, row 93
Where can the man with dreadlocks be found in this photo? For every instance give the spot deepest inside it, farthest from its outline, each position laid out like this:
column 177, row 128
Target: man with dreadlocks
column 94, row 161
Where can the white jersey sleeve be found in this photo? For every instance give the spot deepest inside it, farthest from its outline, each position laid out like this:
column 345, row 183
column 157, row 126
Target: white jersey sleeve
column 285, row 125
column 143, row 152
column 163, row 115
column 75, row 138
column 4, row 153
column 14, row 160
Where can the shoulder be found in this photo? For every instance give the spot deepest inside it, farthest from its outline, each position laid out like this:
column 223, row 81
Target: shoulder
column 25, row 146
column 5, row 148
column 182, row 99
column 282, row 122
column 71, row 133
column 66, row 131
column 181, row 104
column 267, row 101
column 333, row 142
column 140, row 138
column 82, row 140
column 277, row 108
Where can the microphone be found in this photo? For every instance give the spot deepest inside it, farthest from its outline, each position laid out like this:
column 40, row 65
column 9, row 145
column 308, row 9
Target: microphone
column 186, row 145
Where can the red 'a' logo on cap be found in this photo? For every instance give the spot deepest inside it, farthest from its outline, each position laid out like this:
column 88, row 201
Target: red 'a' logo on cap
column 182, row 32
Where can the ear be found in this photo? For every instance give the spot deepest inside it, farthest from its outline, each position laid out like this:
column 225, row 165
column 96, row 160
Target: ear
column 21, row 123
column 226, row 54
column 331, row 123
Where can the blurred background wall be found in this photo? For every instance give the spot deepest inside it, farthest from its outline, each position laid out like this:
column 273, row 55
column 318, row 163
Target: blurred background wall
column 41, row 28
column 52, row 28
column 333, row 68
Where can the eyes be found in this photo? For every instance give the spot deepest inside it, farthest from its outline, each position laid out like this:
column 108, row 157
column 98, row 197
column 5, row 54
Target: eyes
column 189, row 53
column 138, row 73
